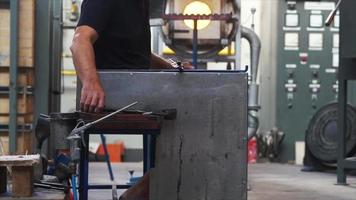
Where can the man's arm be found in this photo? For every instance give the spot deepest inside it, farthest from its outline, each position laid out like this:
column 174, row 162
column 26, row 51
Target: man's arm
column 158, row 62
column 92, row 94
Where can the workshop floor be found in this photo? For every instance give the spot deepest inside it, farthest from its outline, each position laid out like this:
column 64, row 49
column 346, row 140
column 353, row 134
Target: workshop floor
column 287, row 182
column 267, row 182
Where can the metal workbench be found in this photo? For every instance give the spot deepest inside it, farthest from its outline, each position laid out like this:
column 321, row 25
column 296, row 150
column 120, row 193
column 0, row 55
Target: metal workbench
column 133, row 124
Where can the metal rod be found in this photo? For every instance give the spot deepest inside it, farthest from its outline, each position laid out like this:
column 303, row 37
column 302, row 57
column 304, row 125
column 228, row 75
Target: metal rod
column 14, row 6
column 332, row 15
column 107, row 187
column 111, row 114
column 195, row 44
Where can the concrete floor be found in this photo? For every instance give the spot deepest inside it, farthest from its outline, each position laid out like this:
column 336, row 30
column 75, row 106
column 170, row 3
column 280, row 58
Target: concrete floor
column 267, row 181
column 98, row 174
column 287, row 182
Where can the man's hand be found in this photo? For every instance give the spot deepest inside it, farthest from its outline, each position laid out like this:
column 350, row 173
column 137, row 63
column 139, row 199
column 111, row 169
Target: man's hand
column 158, row 62
column 187, row 65
column 92, row 97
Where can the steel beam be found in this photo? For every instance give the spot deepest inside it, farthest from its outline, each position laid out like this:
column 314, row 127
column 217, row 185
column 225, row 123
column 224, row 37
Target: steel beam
column 341, row 175
column 238, row 44
column 14, row 8
column 48, row 56
column 346, row 74
column 56, row 47
column 42, row 57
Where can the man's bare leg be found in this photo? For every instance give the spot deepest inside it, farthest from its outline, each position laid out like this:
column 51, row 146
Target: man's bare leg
column 140, row 191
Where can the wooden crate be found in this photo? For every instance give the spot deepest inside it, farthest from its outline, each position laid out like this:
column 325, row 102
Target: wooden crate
column 22, row 181
column 22, row 173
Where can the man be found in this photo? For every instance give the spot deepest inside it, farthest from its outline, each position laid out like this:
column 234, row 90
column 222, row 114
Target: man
column 112, row 34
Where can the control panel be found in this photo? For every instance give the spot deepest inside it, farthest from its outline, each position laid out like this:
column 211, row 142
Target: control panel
column 308, row 61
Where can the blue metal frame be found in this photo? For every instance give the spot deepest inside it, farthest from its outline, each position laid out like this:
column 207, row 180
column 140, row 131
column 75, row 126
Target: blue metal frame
column 14, row 8
column 149, row 144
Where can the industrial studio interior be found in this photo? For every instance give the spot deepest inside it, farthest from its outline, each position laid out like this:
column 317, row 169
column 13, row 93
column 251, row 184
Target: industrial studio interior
column 177, row 99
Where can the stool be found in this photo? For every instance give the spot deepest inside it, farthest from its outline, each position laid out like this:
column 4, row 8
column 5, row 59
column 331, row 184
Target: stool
column 128, row 124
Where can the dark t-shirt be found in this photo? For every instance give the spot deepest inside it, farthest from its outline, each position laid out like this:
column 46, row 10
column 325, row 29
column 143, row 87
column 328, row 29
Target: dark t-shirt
column 124, row 32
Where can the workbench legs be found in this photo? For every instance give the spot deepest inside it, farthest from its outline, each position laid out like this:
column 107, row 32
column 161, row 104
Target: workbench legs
column 84, row 170
column 149, row 146
column 149, row 151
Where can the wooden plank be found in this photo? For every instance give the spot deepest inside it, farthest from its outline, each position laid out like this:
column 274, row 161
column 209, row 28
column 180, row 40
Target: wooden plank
column 4, row 143
column 26, row 33
column 24, row 105
column 22, row 181
column 4, row 37
column 25, row 77
column 25, row 143
column 19, row 160
column 4, row 119
column 3, row 180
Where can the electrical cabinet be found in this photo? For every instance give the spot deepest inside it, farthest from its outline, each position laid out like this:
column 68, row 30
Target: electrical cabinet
column 308, row 61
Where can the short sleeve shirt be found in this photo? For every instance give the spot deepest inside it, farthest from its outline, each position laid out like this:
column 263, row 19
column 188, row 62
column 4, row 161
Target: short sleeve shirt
column 124, row 32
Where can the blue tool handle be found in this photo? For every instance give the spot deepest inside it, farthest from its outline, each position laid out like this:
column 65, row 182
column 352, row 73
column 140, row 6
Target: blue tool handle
column 107, row 157
column 74, row 187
